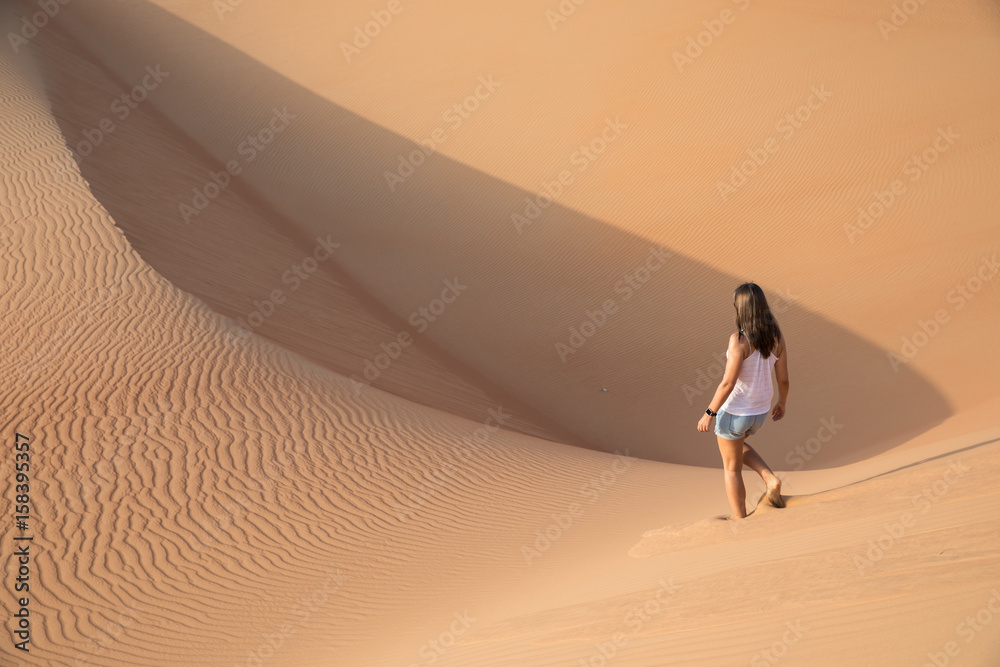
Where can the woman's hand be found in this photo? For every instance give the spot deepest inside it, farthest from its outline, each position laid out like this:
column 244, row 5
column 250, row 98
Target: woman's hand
column 704, row 423
column 778, row 412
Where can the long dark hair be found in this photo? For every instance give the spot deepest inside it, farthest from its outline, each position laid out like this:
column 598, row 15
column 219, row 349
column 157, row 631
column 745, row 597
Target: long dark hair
column 754, row 318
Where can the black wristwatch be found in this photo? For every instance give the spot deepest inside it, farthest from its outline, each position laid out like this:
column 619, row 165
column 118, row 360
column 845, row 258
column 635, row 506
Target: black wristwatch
column 709, row 412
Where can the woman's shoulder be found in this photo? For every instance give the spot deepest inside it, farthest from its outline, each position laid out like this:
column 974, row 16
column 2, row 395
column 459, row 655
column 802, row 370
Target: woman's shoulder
column 739, row 340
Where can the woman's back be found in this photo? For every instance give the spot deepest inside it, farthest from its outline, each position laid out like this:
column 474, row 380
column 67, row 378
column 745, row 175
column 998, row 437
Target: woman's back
column 753, row 391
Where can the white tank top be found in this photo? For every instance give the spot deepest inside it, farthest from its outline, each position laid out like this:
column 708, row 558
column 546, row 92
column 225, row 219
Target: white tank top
column 753, row 391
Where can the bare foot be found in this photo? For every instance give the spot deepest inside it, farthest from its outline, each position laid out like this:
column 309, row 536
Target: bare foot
column 773, row 493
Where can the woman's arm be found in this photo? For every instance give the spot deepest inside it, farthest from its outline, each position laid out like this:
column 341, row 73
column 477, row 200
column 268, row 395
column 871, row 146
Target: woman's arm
column 781, row 371
column 733, row 365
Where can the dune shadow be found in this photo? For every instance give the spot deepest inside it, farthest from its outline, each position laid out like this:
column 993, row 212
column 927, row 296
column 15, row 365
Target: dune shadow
column 635, row 384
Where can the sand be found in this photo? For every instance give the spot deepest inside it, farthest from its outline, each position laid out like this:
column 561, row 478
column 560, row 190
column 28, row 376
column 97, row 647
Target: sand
column 348, row 349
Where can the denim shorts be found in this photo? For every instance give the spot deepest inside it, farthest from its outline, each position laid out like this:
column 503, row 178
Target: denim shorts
column 734, row 427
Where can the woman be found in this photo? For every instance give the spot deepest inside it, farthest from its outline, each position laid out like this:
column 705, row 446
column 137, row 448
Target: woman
column 743, row 399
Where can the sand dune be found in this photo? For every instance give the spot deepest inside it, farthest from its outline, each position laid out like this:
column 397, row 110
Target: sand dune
column 527, row 292
column 392, row 352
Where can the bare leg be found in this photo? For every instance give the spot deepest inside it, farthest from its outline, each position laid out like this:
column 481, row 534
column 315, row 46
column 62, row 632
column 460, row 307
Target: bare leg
column 753, row 460
column 732, row 464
